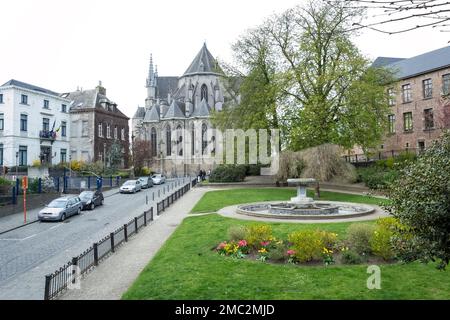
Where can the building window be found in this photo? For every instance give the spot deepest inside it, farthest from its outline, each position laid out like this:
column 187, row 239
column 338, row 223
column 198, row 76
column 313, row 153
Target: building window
column 108, row 131
column 1, row 154
column 63, row 129
column 1, row 97
column 46, row 104
column 193, row 140
column 391, row 97
column 100, row 130
column 180, row 141
column 391, row 120
column 204, row 93
column 421, row 145
column 407, row 121
column 63, row 108
column 153, row 141
column 22, row 155
column 122, row 134
column 2, row 122
column 63, row 155
column 406, row 93
column 168, row 141
column 115, row 132
column 429, row 119
column 100, row 157
column 24, row 99
column 84, row 128
column 23, row 122
column 45, row 124
column 427, row 86
column 446, row 84
column 204, row 138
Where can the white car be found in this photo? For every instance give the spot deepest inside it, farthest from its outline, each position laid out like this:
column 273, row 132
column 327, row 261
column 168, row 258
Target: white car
column 158, row 178
column 131, row 186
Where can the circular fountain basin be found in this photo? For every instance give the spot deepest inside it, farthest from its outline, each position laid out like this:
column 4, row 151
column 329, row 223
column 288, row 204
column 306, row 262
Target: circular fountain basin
column 316, row 210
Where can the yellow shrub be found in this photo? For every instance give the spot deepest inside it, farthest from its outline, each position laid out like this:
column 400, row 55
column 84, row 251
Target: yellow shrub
column 258, row 233
column 76, row 165
column 312, row 244
column 36, row 163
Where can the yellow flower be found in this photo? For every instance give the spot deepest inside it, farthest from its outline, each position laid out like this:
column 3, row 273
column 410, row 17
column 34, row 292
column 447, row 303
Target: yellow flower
column 262, row 250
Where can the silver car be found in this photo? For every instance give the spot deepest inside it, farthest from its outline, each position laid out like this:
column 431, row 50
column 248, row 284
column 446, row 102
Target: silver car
column 158, row 178
column 146, row 182
column 131, row 186
column 61, row 208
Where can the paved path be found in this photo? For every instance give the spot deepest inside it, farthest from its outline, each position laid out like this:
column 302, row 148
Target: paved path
column 116, row 274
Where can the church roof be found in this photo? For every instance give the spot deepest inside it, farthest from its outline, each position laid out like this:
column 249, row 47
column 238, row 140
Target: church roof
column 152, row 115
column 166, row 85
column 140, row 113
column 203, row 110
column 174, row 111
column 204, row 62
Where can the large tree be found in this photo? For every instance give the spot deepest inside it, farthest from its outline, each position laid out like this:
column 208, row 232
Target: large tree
column 141, row 154
column 304, row 75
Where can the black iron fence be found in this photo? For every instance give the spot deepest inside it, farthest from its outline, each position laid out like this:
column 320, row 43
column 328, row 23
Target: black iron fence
column 379, row 155
column 67, row 275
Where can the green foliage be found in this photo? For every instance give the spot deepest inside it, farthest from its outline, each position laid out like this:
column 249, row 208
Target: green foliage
column 257, row 233
column 115, row 154
column 351, row 257
column 309, row 245
column 228, row 173
column 359, row 236
column 277, row 251
column 420, row 200
column 237, row 232
column 5, row 182
column 378, row 177
column 381, row 241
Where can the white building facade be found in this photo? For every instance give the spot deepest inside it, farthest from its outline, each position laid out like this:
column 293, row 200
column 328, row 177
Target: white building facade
column 34, row 125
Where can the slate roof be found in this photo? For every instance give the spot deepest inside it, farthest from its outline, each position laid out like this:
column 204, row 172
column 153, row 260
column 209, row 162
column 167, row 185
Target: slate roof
column 174, row 111
column 384, row 61
column 424, row 63
column 152, row 115
column 166, row 85
column 24, row 85
column 140, row 112
column 202, row 110
column 203, row 62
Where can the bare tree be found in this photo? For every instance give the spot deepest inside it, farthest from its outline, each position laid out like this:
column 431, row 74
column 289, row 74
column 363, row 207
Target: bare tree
column 141, row 154
column 398, row 16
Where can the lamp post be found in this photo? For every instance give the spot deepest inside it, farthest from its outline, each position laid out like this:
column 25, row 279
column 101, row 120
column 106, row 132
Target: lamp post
column 17, row 164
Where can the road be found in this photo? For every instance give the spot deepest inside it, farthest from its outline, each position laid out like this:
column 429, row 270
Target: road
column 29, row 253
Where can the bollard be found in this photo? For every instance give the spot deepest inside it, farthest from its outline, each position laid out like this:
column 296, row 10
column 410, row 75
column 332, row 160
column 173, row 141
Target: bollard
column 153, row 196
column 14, row 195
column 125, row 232
column 146, row 199
column 89, row 183
column 17, row 186
column 39, row 185
column 110, row 181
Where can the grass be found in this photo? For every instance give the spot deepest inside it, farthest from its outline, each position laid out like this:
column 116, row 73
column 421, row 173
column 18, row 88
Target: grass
column 186, row 267
column 215, row 200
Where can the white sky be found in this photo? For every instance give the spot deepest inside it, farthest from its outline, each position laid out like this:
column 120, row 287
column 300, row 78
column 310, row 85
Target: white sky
column 62, row 44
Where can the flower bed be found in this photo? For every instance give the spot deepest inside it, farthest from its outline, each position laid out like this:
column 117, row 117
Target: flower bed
column 364, row 244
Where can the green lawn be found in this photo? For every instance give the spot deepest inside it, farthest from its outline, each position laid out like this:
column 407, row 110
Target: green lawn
column 186, row 267
column 215, row 200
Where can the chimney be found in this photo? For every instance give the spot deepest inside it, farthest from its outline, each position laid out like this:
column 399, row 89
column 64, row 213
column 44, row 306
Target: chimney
column 101, row 89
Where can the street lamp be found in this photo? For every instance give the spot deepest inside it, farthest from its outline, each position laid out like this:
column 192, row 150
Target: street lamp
column 17, row 164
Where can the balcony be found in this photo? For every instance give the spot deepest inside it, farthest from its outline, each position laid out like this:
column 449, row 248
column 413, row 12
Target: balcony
column 46, row 135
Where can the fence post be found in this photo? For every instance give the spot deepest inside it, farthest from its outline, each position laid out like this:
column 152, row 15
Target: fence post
column 74, row 264
column 117, row 181
column 14, row 195
column 57, row 184
column 110, row 181
column 151, row 214
column 145, row 218
column 95, row 253
column 136, row 224
column 17, row 186
column 48, row 279
column 125, row 232
column 112, row 242
column 39, row 185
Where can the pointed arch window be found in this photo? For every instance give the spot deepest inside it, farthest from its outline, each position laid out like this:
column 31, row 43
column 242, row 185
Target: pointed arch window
column 204, row 93
column 168, row 141
column 180, row 140
column 153, row 142
column 204, row 138
column 193, row 140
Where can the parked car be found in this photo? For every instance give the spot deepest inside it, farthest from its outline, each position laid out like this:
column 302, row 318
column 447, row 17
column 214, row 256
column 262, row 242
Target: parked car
column 158, row 178
column 130, row 186
column 91, row 199
column 146, row 182
column 61, row 208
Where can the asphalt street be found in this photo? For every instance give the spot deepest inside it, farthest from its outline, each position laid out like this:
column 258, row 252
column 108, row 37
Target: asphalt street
column 29, row 253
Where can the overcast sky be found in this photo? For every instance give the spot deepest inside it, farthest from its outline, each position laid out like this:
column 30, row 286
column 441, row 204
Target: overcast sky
column 62, row 44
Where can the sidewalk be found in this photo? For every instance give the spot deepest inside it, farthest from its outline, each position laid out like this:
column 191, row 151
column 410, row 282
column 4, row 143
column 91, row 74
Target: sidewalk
column 16, row 220
column 114, row 276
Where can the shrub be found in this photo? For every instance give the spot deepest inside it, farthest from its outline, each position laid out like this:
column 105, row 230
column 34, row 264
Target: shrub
column 253, row 169
column 228, row 173
column 277, row 251
column 380, row 242
column 306, row 244
column 77, row 165
column 291, row 165
column 258, row 233
column 5, row 182
column 351, row 257
column 359, row 236
column 237, row 232
column 377, row 177
column 36, row 163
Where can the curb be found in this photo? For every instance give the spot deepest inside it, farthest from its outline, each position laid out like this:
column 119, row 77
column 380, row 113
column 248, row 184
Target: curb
column 23, row 225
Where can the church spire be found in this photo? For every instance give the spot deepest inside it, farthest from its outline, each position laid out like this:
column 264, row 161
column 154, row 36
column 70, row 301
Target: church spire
column 151, row 74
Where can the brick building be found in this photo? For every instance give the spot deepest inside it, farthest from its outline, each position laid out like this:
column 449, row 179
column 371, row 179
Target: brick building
column 96, row 125
column 419, row 101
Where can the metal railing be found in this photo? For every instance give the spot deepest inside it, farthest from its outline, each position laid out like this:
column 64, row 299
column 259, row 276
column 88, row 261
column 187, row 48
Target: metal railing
column 64, row 277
